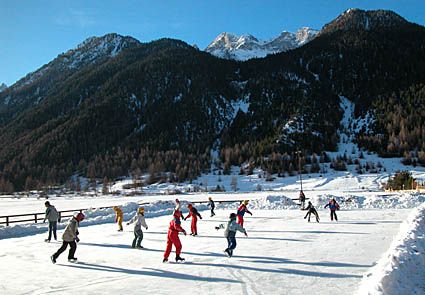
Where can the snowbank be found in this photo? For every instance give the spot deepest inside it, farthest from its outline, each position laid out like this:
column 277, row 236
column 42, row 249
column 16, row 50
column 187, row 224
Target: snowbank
column 390, row 201
column 401, row 268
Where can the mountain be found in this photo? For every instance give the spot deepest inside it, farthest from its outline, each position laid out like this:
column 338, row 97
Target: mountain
column 114, row 106
column 3, row 87
column 245, row 47
column 34, row 87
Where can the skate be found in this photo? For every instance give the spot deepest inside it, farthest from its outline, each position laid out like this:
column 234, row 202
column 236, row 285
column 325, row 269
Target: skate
column 47, row 240
column 165, row 260
column 139, row 247
column 53, row 259
column 227, row 251
column 178, row 258
column 73, row 259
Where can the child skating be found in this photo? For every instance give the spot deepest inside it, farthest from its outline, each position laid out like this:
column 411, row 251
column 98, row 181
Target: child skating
column 311, row 210
column 194, row 214
column 333, row 206
column 118, row 217
column 140, row 221
column 230, row 233
column 173, row 237
column 212, row 205
column 70, row 238
column 241, row 212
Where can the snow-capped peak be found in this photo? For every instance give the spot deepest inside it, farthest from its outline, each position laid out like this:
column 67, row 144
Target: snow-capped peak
column 96, row 47
column 232, row 46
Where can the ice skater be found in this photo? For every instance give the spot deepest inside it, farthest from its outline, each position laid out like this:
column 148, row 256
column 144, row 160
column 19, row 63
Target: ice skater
column 139, row 218
column 70, row 237
column 173, row 237
column 52, row 216
column 302, row 200
column 178, row 205
column 241, row 212
column 311, row 210
column 118, row 217
column 333, row 206
column 212, row 205
column 230, row 233
column 194, row 214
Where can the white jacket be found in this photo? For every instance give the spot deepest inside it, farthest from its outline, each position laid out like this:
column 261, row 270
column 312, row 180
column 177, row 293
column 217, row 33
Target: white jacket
column 140, row 221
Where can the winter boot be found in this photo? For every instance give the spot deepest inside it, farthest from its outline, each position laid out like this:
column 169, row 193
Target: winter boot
column 73, row 259
column 178, row 258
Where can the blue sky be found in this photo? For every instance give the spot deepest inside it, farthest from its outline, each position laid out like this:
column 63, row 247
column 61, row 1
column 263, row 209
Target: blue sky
column 32, row 33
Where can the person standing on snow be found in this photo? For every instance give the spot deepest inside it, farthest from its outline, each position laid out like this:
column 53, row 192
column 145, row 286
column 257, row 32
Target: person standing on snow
column 178, row 205
column 302, row 200
column 173, row 237
column 118, row 217
column 70, row 237
column 139, row 218
column 194, row 214
column 230, row 233
column 333, row 206
column 212, row 205
column 311, row 210
column 52, row 216
column 241, row 212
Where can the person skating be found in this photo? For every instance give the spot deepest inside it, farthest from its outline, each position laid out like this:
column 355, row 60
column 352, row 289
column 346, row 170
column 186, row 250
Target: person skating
column 241, row 212
column 140, row 221
column 230, row 233
column 178, row 205
column 333, row 206
column 52, row 216
column 311, row 210
column 70, row 237
column 212, row 205
column 194, row 214
column 302, row 200
column 173, row 237
column 118, row 217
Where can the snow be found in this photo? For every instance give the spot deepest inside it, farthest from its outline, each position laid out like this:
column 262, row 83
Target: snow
column 244, row 47
column 404, row 256
column 298, row 255
column 365, row 252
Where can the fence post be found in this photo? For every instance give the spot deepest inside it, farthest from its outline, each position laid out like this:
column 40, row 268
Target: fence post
column 7, row 220
column 35, row 217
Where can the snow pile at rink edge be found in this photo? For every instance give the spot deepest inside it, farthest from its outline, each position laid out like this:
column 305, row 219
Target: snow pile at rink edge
column 401, row 270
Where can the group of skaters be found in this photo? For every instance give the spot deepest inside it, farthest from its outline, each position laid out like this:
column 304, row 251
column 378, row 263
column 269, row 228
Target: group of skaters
column 332, row 204
column 233, row 225
column 70, row 235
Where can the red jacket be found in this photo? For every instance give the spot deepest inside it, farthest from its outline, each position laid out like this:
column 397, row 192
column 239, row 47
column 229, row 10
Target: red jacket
column 193, row 213
column 242, row 209
column 175, row 227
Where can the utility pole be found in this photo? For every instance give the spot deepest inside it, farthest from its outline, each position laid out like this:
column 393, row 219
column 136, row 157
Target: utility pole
column 299, row 168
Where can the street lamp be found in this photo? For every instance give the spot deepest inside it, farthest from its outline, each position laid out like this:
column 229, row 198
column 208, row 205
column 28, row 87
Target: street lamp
column 299, row 168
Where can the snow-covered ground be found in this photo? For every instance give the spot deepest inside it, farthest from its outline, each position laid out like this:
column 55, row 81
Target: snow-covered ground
column 282, row 255
column 365, row 252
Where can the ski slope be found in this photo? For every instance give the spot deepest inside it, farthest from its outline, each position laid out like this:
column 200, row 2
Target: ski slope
column 283, row 254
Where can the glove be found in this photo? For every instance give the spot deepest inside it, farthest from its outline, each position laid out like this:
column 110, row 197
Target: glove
column 128, row 223
column 184, row 233
column 77, row 239
column 146, row 228
column 217, row 228
column 44, row 220
column 200, row 217
column 184, row 219
column 246, row 234
column 250, row 213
